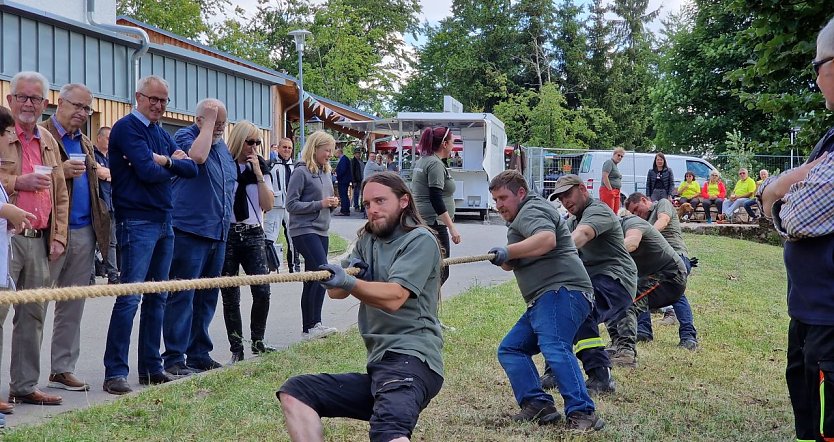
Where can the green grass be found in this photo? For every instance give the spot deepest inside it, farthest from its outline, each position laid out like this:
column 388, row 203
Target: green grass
column 337, row 244
column 731, row 389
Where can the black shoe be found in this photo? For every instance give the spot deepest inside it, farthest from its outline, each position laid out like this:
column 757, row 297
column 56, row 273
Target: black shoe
column 600, row 381
column 689, row 344
column 584, row 422
column 548, row 382
column 117, row 386
column 180, row 370
column 155, row 379
column 237, row 356
column 259, row 347
column 210, row 364
column 644, row 338
column 545, row 413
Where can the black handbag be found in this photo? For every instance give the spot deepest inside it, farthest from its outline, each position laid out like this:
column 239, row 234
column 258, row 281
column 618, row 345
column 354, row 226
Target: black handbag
column 273, row 262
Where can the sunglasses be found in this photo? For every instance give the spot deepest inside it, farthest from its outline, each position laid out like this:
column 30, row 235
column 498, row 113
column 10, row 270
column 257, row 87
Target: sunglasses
column 253, row 142
column 818, row 64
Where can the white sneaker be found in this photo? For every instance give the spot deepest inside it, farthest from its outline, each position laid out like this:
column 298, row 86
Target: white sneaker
column 319, row 331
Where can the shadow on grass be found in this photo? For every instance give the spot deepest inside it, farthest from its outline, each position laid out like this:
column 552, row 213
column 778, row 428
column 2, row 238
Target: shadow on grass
column 732, row 388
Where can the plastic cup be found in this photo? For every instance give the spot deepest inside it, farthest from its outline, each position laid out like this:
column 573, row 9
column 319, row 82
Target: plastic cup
column 43, row 170
column 78, row 157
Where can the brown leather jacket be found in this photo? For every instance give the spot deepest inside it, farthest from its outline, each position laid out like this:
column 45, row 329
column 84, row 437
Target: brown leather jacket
column 100, row 214
column 51, row 156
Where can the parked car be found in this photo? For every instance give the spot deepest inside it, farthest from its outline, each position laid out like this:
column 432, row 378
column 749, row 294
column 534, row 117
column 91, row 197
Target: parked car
column 635, row 167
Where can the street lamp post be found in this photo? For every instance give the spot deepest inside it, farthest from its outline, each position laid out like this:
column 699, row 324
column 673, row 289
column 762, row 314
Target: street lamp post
column 299, row 35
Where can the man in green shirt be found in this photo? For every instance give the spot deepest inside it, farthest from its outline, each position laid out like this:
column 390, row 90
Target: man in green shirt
column 663, row 216
column 399, row 289
column 661, row 280
column 557, row 291
column 597, row 233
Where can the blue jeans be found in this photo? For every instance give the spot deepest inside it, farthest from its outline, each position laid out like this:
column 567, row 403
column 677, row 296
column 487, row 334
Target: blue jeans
column 748, row 207
column 683, row 311
column 548, row 327
column 344, row 199
column 314, row 250
column 145, row 252
column 188, row 313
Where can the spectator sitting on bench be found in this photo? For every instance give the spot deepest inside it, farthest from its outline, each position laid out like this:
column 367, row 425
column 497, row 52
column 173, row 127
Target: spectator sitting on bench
column 748, row 206
column 712, row 193
column 743, row 191
column 689, row 191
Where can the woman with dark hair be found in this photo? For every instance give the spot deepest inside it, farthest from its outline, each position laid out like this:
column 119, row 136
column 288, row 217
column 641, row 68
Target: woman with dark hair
column 660, row 182
column 245, row 243
column 434, row 189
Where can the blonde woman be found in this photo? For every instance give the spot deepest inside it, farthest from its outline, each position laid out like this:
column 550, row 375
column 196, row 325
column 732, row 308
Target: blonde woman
column 310, row 202
column 245, row 243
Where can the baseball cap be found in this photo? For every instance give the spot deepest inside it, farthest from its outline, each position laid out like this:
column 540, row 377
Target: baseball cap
column 566, row 182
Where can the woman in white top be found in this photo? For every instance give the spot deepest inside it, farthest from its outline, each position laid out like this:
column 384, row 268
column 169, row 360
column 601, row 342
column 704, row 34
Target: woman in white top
column 245, row 243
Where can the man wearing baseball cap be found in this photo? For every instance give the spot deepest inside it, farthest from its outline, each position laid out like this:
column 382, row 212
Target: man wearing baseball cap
column 598, row 236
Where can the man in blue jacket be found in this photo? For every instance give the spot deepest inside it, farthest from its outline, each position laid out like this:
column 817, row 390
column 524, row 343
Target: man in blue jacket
column 143, row 159
column 343, row 177
column 201, row 227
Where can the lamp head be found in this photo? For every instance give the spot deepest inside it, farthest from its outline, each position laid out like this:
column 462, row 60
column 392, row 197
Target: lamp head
column 299, row 35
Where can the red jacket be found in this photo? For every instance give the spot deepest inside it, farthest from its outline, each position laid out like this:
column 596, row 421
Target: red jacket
column 722, row 191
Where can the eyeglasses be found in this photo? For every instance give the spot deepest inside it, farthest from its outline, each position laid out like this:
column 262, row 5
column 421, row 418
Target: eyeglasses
column 80, row 106
column 156, row 100
column 36, row 99
column 818, row 64
column 253, row 142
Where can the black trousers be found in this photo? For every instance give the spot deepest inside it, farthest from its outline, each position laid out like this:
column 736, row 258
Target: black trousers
column 245, row 249
column 810, row 378
column 443, row 237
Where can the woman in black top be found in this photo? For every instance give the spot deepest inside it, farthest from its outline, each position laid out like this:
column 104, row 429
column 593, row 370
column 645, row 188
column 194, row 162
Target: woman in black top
column 660, row 182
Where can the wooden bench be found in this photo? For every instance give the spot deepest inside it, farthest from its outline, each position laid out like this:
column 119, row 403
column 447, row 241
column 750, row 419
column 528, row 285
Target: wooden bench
column 740, row 214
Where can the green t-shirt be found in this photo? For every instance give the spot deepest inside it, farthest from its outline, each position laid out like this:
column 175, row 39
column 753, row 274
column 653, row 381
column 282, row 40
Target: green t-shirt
column 654, row 255
column 560, row 267
column 606, row 253
column 744, row 187
column 672, row 232
column 614, row 175
column 431, row 172
column 412, row 260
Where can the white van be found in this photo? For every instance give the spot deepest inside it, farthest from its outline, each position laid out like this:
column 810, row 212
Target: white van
column 635, row 167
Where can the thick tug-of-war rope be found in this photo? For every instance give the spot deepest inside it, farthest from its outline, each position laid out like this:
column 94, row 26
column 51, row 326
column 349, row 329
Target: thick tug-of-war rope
column 98, row 291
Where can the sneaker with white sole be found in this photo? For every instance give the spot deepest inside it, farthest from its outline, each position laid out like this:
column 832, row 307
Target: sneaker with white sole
column 318, row 331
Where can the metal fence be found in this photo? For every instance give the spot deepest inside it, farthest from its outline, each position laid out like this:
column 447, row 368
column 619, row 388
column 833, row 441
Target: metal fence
column 545, row 165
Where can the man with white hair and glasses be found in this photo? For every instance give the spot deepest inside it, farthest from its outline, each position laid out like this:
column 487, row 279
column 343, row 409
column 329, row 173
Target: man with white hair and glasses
column 89, row 224
column 201, row 228
column 34, row 181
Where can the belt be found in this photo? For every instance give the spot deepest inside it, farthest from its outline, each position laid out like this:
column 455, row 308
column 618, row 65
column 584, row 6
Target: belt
column 242, row 227
column 32, row 233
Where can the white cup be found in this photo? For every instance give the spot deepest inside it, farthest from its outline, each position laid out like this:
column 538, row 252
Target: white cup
column 43, row 170
column 78, row 157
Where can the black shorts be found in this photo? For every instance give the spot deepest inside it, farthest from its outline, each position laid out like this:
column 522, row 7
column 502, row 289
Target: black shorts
column 390, row 396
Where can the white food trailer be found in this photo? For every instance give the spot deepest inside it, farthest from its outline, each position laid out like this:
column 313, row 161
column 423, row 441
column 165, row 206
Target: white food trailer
column 483, row 141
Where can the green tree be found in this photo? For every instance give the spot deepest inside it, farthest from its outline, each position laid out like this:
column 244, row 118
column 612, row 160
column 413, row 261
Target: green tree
column 188, row 18
column 571, row 53
column 780, row 41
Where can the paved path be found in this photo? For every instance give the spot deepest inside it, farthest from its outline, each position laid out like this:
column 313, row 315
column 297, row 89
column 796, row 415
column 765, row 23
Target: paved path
column 283, row 327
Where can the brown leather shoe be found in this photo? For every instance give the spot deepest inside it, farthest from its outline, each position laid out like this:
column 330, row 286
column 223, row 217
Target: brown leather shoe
column 6, row 408
column 36, row 397
column 67, row 381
